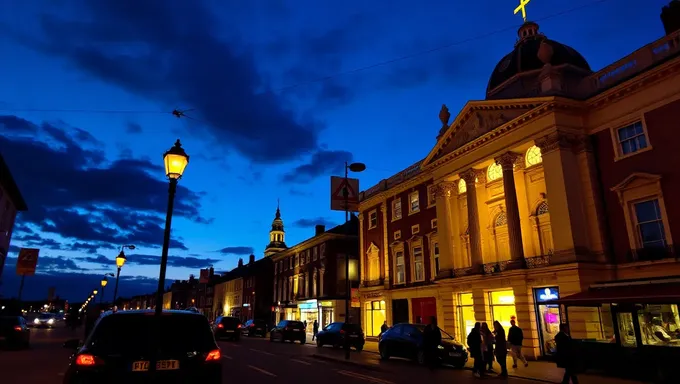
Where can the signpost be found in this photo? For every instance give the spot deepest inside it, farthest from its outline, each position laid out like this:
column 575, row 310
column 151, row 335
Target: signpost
column 339, row 202
column 26, row 263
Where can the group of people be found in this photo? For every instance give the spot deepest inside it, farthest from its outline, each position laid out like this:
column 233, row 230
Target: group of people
column 485, row 346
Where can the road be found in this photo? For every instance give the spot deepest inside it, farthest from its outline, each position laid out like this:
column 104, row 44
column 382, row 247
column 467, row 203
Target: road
column 249, row 360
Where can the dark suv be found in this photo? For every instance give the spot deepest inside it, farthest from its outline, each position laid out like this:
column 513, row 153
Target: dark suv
column 14, row 332
column 122, row 346
column 226, row 327
column 255, row 328
column 336, row 334
column 288, row 330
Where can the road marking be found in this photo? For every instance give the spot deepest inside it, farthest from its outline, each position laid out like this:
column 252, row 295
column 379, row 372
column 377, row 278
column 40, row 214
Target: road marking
column 364, row 377
column 262, row 371
column 227, row 357
column 301, row 361
column 261, row 351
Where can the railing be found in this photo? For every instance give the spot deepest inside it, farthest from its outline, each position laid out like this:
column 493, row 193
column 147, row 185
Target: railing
column 373, row 283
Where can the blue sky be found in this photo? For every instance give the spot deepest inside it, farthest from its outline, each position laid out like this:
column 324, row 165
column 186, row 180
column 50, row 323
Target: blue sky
column 275, row 105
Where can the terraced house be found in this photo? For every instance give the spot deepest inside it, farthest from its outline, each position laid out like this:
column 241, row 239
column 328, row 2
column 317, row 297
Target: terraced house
column 553, row 184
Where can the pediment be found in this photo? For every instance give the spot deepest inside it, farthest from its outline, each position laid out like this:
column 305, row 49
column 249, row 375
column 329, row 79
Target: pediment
column 475, row 120
column 636, row 179
column 372, row 248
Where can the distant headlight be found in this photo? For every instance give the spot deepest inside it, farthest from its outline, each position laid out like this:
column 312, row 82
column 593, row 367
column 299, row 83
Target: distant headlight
column 440, row 347
column 36, row 321
column 50, row 321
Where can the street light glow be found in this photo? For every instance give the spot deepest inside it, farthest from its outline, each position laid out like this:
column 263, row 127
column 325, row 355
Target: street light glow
column 104, row 282
column 175, row 161
column 120, row 259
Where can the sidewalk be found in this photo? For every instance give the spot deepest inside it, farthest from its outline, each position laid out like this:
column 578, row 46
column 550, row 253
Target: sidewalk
column 537, row 370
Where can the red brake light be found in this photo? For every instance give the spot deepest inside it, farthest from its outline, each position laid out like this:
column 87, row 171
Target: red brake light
column 17, row 328
column 220, row 326
column 213, row 355
column 342, row 331
column 240, row 326
column 252, row 325
column 86, row 360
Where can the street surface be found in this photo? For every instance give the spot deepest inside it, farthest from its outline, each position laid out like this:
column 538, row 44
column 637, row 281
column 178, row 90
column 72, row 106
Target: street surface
column 249, row 360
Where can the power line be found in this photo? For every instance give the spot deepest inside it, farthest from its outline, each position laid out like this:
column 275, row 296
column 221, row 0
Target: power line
column 338, row 74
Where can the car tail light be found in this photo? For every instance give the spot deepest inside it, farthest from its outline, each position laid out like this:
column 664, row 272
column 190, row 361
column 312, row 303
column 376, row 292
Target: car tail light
column 213, row 355
column 342, row 331
column 252, row 325
column 17, row 328
column 86, row 360
column 220, row 326
column 240, row 326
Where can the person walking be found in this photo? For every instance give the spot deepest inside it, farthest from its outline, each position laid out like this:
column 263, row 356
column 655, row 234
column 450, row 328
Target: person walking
column 474, row 343
column 384, row 327
column 515, row 339
column 566, row 354
column 501, row 350
column 487, row 347
column 315, row 329
column 432, row 339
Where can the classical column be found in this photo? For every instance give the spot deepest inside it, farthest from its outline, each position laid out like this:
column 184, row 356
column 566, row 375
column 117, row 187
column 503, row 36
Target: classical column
column 507, row 161
column 362, row 252
column 443, row 193
column 386, row 247
column 470, row 177
column 314, row 277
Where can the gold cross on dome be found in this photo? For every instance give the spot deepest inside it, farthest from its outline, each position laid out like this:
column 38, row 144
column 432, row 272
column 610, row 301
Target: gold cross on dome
column 522, row 8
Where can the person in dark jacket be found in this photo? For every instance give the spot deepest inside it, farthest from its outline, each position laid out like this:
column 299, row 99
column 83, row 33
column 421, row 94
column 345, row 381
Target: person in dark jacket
column 315, row 329
column 474, row 343
column 432, row 338
column 501, row 350
column 515, row 339
column 566, row 355
column 487, row 346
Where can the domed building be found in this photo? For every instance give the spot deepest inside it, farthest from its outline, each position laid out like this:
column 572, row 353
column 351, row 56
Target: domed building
column 555, row 189
column 277, row 235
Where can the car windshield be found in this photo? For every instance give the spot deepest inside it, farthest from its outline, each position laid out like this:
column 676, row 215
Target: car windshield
column 132, row 334
column 46, row 316
column 295, row 324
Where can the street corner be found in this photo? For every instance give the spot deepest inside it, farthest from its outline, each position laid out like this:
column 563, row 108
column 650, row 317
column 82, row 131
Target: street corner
column 361, row 364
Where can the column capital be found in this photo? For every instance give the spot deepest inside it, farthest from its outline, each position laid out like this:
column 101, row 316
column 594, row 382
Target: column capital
column 556, row 140
column 472, row 176
column 444, row 189
column 583, row 144
column 507, row 160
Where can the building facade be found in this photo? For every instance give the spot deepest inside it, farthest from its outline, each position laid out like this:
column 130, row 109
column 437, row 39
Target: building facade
column 555, row 182
column 309, row 278
column 11, row 202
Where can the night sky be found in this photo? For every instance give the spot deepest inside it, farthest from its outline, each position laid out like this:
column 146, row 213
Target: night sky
column 278, row 95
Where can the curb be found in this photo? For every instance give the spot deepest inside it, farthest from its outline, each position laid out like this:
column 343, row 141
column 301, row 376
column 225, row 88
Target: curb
column 520, row 377
column 348, row 362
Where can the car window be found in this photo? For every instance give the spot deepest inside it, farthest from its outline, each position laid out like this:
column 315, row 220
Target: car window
column 295, row 324
column 133, row 334
column 395, row 329
column 45, row 316
column 412, row 329
column 282, row 323
column 230, row 321
column 351, row 327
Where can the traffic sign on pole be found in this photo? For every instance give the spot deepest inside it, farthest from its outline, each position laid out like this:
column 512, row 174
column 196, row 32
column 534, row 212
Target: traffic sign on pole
column 27, row 261
column 338, row 185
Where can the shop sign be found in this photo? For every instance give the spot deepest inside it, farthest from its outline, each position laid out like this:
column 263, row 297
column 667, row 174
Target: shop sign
column 547, row 294
column 311, row 304
column 373, row 295
column 325, row 304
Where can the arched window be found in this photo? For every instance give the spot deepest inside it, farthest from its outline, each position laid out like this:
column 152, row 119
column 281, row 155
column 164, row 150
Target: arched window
column 533, row 156
column 494, row 172
column 542, row 208
column 462, row 187
column 501, row 219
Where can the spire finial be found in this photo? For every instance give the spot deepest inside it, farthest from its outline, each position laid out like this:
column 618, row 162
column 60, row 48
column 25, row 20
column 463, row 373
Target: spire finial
column 278, row 210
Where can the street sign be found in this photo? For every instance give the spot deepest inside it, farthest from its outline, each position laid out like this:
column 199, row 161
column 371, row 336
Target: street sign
column 204, row 276
column 27, row 261
column 338, row 184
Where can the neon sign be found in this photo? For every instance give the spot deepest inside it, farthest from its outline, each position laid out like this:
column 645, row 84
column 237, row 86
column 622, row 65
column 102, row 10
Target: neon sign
column 549, row 294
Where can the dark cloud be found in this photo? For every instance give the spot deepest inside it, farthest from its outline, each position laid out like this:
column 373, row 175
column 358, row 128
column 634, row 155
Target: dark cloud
column 170, row 52
column 297, row 192
column 15, row 124
column 173, row 261
column 98, row 259
column 75, row 193
column 310, row 223
column 323, row 162
column 133, row 128
column 51, row 263
column 237, row 251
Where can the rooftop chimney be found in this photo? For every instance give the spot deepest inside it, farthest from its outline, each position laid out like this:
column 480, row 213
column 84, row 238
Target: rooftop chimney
column 252, row 259
column 319, row 229
column 240, row 262
column 212, row 271
column 670, row 17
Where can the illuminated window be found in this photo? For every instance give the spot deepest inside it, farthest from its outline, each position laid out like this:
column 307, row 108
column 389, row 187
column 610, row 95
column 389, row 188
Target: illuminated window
column 533, row 156
column 418, row 263
column 466, row 313
column 494, row 172
column 400, row 276
column 502, row 305
column 462, row 187
column 501, row 219
column 373, row 263
column 631, row 138
column 414, row 202
column 396, row 209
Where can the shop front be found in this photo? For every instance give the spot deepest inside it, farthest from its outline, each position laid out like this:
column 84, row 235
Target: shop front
column 309, row 312
column 548, row 318
column 422, row 309
column 466, row 315
column 375, row 315
column 502, row 308
column 327, row 312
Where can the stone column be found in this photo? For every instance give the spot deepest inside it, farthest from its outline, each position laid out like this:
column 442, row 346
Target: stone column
column 314, row 277
column 470, row 177
column 443, row 192
column 386, row 247
column 507, row 161
column 363, row 262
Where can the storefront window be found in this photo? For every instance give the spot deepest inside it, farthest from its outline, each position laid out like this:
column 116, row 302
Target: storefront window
column 592, row 324
column 466, row 314
column 548, row 316
column 502, row 305
column 375, row 317
column 660, row 325
column 626, row 329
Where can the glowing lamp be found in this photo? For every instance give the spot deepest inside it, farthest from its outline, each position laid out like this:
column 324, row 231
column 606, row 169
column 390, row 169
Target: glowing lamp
column 94, row 292
column 176, row 161
column 104, row 282
column 120, row 259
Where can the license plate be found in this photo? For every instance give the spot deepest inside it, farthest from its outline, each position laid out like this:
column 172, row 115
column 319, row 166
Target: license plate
column 455, row 354
column 297, row 330
column 355, row 336
column 162, row 365
column 229, row 331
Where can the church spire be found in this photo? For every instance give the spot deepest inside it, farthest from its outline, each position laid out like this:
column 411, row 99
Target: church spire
column 277, row 235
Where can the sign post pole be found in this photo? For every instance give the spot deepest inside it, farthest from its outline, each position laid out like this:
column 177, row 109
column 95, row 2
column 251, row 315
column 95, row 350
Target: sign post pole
column 21, row 290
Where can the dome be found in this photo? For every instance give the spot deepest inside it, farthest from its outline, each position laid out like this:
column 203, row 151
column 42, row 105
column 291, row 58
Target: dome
column 529, row 55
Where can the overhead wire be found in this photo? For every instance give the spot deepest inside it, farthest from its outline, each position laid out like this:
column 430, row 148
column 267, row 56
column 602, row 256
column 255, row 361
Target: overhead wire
column 329, row 77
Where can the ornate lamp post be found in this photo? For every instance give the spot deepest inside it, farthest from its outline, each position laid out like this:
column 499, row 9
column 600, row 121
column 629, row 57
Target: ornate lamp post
column 120, row 261
column 175, row 160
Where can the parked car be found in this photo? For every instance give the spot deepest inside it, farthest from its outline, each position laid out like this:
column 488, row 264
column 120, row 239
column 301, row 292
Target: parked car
column 46, row 320
column 335, row 334
column 226, row 327
column 255, row 328
column 14, row 332
column 406, row 341
column 288, row 330
column 123, row 344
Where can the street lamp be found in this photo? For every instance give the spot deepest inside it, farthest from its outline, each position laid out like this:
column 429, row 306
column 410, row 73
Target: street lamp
column 103, row 283
column 354, row 167
column 176, row 161
column 120, row 261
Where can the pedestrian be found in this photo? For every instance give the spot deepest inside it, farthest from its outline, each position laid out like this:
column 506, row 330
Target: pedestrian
column 501, row 350
column 487, row 346
column 474, row 343
column 384, row 327
column 566, row 354
column 432, row 339
column 515, row 339
column 315, row 329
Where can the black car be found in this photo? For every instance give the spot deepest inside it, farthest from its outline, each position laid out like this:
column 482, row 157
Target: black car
column 289, row 330
column 255, row 328
column 14, row 332
column 122, row 345
column 406, row 340
column 226, row 327
column 335, row 334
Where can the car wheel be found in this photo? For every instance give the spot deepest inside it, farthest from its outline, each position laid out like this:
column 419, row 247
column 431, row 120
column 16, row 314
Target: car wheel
column 420, row 357
column 384, row 354
column 319, row 344
column 359, row 348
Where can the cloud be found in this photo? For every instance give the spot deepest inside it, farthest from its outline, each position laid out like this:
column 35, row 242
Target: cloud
column 310, row 223
column 73, row 191
column 237, row 251
column 169, row 52
column 133, row 128
column 51, row 263
column 297, row 192
column 173, row 261
column 323, row 162
column 98, row 259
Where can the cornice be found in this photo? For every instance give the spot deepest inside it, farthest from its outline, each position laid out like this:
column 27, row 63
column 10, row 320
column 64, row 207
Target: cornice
column 306, row 244
column 383, row 196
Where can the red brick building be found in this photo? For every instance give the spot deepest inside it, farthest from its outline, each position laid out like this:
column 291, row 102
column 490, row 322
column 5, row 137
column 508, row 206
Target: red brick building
column 11, row 202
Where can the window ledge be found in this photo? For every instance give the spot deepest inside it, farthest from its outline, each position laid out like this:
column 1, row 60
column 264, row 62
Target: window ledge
column 393, row 220
column 414, row 212
column 369, row 228
column 623, row 157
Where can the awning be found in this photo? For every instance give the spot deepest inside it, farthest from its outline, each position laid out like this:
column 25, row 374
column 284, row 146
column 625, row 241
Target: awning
column 645, row 293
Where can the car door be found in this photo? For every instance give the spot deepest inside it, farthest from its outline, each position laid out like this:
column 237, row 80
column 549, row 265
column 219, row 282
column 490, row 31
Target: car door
column 409, row 341
column 391, row 340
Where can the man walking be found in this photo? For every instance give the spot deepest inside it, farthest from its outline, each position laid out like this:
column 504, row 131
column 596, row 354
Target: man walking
column 515, row 339
column 315, row 329
column 432, row 338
